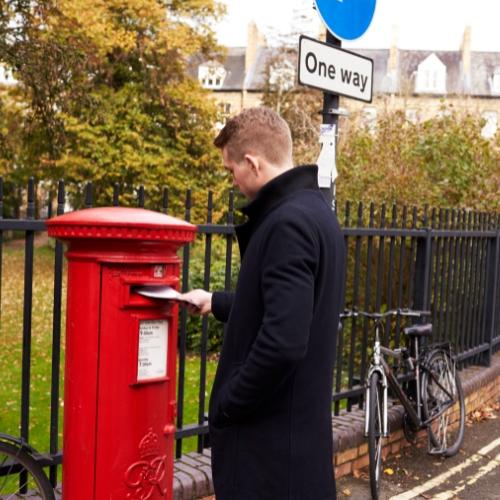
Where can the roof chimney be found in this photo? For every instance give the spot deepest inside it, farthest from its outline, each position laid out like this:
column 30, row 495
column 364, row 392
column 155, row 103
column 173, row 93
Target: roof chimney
column 465, row 49
column 322, row 32
column 393, row 53
column 252, row 45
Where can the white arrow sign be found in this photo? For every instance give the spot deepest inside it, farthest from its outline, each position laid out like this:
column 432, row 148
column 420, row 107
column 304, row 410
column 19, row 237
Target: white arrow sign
column 334, row 70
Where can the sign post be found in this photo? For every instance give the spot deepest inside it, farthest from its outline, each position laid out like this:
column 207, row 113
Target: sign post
column 331, row 102
column 345, row 20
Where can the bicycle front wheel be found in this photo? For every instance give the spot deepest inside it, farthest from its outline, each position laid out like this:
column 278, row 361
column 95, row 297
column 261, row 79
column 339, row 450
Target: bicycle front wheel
column 21, row 476
column 440, row 383
column 375, row 433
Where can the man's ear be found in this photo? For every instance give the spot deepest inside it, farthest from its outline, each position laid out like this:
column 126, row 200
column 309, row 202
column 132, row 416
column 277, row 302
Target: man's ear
column 254, row 162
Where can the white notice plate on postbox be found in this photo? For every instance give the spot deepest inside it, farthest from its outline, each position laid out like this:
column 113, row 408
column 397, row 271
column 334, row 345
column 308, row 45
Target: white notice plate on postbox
column 152, row 352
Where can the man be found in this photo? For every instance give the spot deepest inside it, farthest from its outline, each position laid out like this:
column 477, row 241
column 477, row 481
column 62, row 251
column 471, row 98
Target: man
column 270, row 410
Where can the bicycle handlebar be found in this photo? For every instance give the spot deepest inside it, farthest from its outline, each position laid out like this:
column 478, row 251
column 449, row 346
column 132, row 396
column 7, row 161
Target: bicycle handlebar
column 378, row 316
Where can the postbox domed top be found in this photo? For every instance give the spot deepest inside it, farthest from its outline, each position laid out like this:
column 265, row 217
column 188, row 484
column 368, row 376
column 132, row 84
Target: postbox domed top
column 120, row 223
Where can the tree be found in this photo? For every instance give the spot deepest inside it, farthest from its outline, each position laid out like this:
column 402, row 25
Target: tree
column 107, row 93
column 443, row 162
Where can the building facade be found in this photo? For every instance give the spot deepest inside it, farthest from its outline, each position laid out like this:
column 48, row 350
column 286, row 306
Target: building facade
column 422, row 83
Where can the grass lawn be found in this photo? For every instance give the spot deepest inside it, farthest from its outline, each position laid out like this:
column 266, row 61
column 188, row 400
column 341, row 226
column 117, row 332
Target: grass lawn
column 12, row 296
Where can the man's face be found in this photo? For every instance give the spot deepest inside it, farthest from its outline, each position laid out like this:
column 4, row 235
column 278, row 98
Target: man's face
column 244, row 175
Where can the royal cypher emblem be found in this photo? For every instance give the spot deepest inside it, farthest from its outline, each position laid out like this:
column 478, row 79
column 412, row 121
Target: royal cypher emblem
column 146, row 476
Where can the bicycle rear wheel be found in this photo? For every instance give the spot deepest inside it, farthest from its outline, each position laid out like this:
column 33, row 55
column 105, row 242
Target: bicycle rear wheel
column 440, row 381
column 375, row 433
column 15, row 464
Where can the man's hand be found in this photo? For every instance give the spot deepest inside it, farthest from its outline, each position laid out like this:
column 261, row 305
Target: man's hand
column 201, row 298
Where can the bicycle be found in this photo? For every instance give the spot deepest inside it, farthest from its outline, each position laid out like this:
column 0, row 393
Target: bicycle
column 20, row 473
column 438, row 406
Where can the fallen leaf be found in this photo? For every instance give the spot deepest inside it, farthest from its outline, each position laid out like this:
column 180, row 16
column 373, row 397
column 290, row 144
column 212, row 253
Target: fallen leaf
column 463, row 452
column 358, row 473
column 426, row 496
column 397, row 456
column 476, row 416
column 416, row 478
column 389, row 471
column 406, row 472
column 347, row 492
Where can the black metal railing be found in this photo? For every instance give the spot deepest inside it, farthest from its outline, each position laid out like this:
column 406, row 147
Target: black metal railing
column 445, row 261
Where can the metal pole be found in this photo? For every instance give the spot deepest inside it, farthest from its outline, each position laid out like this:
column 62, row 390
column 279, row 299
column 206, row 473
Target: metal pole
column 331, row 102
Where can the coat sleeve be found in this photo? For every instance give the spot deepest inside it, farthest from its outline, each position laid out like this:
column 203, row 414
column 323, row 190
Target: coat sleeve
column 221, row 305
column 289, row 267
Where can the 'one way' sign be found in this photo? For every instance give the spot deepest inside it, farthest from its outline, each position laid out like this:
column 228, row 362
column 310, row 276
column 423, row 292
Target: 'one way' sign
column 334, row 70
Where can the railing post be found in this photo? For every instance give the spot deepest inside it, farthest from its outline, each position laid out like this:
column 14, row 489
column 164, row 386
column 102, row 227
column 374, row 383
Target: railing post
column 56, row 341
column 183, row 333
column 27, row 315
column 491, row 297
column 421, row 301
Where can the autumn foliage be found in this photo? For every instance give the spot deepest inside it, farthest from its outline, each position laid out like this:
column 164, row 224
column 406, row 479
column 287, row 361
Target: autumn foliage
column 442, row 162
column 104, row 95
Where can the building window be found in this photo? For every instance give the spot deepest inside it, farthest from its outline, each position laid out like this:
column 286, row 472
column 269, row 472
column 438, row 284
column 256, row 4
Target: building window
column 413, row 115
column 496, row 83
column 369, row 117
column 282, row 76
column 431, row 76
column 225, row 112
column 6, row 77
column 444, row 113
column 490, row 127
column 211, row 75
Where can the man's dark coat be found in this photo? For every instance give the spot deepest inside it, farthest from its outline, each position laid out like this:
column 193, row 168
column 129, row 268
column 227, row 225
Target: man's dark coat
column 270, row 410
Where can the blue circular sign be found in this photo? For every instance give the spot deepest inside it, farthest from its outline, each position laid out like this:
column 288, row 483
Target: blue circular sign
column 346, row 19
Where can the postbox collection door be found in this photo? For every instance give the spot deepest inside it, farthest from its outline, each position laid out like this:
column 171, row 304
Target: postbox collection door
column 136, row 385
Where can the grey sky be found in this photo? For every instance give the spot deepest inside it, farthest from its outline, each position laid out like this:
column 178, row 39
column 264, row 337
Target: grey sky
column 422, row 24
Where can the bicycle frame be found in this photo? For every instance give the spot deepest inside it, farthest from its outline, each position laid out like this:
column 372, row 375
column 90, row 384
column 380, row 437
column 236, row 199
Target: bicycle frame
column 387, row 376
column 381, row 366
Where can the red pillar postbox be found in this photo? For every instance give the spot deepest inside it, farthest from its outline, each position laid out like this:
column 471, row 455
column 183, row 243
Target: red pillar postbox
column 119, row 397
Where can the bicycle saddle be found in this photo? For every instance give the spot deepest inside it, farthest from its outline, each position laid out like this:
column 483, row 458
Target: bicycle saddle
column 419, row 330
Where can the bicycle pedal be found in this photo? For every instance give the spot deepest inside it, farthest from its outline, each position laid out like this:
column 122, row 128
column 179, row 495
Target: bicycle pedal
column 436, row 452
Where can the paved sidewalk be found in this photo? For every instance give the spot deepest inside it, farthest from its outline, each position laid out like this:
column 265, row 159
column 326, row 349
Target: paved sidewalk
column 193, row 476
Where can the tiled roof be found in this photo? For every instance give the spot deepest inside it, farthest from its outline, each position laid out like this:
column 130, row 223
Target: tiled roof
column 381, row 80
column 409, row 60
column 483, row 66
column 477, row 83
column 235, row 67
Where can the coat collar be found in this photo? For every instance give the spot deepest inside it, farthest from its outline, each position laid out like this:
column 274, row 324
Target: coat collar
column 303, row 177
column 295, row 179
